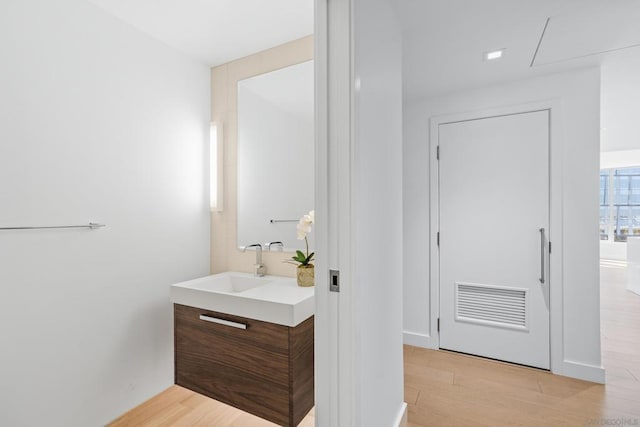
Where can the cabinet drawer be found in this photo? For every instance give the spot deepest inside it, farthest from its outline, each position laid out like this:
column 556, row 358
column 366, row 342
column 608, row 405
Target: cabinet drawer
column 234, row 387
column 259, row 367
column 269, row 336
column 231, row 352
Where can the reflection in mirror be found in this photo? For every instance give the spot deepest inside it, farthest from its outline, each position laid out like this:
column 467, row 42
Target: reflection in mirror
column 275, row 155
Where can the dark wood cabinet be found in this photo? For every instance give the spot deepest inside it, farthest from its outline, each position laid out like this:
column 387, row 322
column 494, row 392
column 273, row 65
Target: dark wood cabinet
column 259, row 367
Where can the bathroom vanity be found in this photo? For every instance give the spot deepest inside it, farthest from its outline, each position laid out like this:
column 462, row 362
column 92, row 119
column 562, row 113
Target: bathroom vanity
column 247, row 342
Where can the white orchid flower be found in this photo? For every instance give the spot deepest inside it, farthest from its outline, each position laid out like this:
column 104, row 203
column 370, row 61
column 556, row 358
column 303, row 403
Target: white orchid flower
column 304, row 225
column 303, row 229
column 306, row 228
column 308, row 218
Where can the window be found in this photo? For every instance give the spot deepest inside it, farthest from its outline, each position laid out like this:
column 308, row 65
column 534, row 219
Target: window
column 619, row 203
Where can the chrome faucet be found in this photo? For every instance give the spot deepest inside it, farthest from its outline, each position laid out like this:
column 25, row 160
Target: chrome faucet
column 280, row 244
column 258, row 268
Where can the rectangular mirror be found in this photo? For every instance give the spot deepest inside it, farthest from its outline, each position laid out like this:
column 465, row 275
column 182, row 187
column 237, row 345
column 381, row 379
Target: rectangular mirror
column 275, row 155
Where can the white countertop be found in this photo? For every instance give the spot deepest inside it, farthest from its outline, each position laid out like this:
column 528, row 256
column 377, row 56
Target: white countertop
column 274, row 299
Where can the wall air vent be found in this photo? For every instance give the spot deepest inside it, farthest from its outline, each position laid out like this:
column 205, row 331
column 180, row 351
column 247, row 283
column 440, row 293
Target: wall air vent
column 490, row 305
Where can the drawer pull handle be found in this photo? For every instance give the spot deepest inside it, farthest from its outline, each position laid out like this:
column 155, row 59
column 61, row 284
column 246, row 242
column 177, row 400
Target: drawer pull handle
column 223, row 322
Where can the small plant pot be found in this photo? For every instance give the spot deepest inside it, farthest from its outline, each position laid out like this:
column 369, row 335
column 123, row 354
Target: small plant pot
column 306, row 275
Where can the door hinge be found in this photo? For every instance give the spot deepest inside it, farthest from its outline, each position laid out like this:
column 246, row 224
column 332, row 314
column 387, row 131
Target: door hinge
column 334, row 280
column 438, row 239
column 549, row 247
column 438, row 325
column 438, row 152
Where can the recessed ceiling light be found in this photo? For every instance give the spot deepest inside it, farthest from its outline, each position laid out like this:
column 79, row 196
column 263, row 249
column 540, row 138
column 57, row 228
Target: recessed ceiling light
column 493, row 54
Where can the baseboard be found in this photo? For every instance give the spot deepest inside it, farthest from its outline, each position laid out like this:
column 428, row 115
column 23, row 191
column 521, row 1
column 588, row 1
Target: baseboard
column 583, row 371
column 419, row 340
column 401, row 420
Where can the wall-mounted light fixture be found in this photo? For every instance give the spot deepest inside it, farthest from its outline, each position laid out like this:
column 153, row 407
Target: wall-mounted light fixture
column 216, row 169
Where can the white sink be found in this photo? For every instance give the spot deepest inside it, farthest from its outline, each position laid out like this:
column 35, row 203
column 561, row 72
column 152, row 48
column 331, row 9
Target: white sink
column 272, row 299
column 229, row 283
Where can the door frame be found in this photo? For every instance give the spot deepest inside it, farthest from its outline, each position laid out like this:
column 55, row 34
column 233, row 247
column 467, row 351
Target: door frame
column 555, row 265
column 334, row 326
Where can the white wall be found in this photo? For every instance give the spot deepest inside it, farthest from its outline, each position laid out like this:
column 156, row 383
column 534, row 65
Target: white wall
column 377, row 215
column 97, row 122
column 620, row 101
column 578, row 94
column 620, row 159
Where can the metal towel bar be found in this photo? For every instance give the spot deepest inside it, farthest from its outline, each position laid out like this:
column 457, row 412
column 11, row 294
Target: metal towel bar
column 91, row 225
column 273, row 221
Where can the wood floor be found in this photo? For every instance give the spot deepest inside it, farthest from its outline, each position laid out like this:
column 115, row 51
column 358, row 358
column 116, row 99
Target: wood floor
column 448, row 389
column 180, row 407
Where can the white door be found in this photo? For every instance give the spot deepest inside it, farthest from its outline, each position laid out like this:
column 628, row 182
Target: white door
column 494, row 219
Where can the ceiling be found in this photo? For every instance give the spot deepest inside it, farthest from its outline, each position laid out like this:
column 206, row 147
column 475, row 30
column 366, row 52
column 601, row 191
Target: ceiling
column 216, row 31
column 444, row 40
